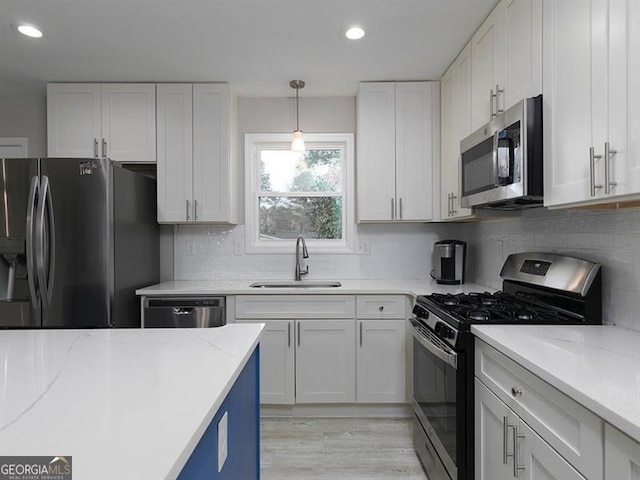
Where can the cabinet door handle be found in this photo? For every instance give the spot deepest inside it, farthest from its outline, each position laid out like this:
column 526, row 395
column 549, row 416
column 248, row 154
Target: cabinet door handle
column 360, row 333
column 516, row 456
column 592, row 170
column 289, row 334
column 400, row 207
column 453, row 204
column 498, row 92
column 505, row 439
column 95, row 147
column 515, row 391
column 393, row 210
column 298, row 334
column 104, row 148
column 195, row 210
column 607, row 168
column 491, row 97
column 188, row 215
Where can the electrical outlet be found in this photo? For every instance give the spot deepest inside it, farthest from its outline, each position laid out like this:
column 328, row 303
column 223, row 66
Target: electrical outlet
column 363, row 248
column 237, row 247
column 191, row 248
column 223, row 440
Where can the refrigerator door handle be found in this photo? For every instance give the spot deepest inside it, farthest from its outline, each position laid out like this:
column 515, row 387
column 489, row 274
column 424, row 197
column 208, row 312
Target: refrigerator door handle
column 47, row 246
column 31, row 260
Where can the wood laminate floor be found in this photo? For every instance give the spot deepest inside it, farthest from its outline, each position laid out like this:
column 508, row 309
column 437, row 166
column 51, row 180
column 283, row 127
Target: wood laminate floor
column 338, row 448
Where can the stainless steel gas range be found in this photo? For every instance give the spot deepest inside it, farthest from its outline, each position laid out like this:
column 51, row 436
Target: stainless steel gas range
column 538, row 288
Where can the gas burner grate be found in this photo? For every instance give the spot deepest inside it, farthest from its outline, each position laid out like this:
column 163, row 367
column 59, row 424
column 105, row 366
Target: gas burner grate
column 498, row 307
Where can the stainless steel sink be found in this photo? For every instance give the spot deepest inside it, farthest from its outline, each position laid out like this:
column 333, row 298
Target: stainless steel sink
column 294, row 284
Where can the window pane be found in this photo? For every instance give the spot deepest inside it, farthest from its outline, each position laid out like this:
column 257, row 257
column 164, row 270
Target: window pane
column 318, row 170
column 313, row 217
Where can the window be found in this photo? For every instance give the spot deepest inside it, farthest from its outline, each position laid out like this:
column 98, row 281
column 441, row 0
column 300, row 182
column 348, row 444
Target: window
column 289, row 194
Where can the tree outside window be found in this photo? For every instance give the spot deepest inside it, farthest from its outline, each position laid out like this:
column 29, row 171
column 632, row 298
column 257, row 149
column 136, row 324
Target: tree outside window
column 299, row 194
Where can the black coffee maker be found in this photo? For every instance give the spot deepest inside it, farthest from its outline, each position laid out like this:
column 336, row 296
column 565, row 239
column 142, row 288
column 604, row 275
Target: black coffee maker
column 449, row 259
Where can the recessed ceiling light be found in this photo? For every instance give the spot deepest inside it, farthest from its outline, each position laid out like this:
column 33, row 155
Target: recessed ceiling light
column 355, row 33
column 30, row 30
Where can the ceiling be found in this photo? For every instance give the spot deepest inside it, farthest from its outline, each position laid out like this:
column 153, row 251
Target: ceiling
column 256, row 45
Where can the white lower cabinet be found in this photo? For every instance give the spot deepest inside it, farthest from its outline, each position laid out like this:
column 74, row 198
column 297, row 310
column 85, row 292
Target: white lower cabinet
column 507, row 448
column 325, row 361
column 621, row 455
column 307, row 361
column 559, row 438
column 313, row 349
column 381, row 361
column 491, row 419
column 277, row 372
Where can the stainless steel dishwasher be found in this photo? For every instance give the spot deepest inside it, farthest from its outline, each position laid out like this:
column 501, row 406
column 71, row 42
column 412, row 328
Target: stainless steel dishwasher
column 184, row 312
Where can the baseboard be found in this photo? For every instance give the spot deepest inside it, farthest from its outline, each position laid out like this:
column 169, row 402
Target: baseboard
column 400, row 410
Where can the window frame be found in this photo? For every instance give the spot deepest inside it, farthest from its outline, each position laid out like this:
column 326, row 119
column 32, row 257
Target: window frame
column 253, row 143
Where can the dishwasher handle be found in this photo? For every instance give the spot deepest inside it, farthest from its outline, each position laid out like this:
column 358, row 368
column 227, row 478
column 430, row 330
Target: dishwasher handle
column 184, row 303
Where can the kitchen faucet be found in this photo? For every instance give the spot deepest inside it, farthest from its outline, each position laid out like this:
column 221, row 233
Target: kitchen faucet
column 305, row 254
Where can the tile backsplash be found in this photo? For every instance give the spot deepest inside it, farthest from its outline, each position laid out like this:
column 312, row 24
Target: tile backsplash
column 610, row 237
column 217, row 253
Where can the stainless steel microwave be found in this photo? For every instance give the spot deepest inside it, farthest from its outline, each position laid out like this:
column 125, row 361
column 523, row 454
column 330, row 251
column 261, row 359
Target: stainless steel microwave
column 501, row 163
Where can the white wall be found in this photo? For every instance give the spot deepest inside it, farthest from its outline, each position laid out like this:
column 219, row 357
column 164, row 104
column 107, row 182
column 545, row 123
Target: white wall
column 25, row 117
column 396, row 251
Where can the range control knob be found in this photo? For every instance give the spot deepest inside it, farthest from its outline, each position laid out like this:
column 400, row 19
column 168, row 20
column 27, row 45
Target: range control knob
column 444, row 331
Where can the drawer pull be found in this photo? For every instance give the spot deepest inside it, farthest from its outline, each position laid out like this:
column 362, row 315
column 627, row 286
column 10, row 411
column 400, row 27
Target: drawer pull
column 515, row 391
column 381, row 307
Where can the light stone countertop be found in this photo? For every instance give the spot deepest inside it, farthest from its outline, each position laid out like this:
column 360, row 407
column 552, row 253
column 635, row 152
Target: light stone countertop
column 349, row 287
column 124, row 403
column 598, row 366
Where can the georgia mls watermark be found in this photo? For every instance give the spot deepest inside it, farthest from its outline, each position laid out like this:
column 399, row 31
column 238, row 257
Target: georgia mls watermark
column 35, row 468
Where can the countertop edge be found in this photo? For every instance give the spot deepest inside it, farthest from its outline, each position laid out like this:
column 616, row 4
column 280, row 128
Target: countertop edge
column 410, row 287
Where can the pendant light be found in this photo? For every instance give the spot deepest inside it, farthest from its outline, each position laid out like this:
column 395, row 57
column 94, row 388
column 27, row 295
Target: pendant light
column 297, row 143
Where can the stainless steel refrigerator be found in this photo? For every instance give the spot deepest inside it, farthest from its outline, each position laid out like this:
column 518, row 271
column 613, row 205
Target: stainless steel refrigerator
column 77, row 238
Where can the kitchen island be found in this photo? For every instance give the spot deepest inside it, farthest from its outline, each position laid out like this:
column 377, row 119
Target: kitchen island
column 133, row 404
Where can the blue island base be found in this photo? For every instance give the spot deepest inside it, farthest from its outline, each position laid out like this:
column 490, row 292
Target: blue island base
column 242, row 407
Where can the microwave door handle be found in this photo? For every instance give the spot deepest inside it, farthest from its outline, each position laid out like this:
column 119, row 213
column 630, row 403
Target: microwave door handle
column 496, row 181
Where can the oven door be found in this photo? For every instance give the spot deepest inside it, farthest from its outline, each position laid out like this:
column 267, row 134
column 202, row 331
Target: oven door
column 435, row 401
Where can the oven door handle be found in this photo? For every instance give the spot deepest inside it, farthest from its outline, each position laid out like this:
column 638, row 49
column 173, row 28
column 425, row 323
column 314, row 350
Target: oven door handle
column 449, row 357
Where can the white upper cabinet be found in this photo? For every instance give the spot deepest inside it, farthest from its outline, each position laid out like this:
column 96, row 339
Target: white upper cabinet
column 488, row 53
column 117, row 121
column 196, row 176
column 175, row 152
column 455, row 124
column 523, row 50
column 507, row 60
column 397, row 168
column 591, row 110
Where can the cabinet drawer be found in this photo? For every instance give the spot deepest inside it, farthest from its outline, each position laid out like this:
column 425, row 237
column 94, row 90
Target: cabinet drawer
column 381, row 306
column 571, row 429
column 295, row 306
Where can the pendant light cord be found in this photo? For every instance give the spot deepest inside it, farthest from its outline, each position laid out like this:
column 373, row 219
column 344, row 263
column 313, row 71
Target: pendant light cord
column 297, row 110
